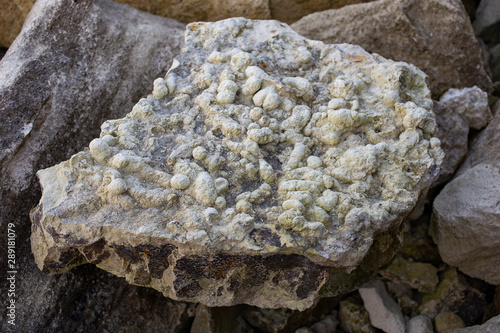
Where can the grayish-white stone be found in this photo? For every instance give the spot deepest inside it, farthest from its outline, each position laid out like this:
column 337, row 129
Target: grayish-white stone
column 487, row 20
column 384, row 312
column 419, row 324
column 269, row 147
column 470, row 102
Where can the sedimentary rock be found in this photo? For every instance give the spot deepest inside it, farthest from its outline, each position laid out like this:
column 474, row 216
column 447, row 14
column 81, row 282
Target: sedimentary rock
column 265, row 168
column 74, row 65
column 434, row 35
column 466, row 224
column 384, row 312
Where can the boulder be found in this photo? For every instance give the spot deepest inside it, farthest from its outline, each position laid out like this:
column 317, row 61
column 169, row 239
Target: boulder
column 264, row 167
column 384, row 312
column 434, row 35
column 472, row 196
column 74, row 65
column 469, row 102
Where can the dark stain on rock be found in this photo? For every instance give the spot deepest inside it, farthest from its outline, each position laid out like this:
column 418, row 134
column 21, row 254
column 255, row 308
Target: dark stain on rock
column 263, row 237
column 67, row 260
column 95, row 252
column 158, row 257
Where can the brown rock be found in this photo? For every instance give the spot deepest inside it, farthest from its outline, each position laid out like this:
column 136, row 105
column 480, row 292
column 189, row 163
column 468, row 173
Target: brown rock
column 434, row 35
column 12, row 15
column 199, row 10
column 74, row 65
column 290, row 11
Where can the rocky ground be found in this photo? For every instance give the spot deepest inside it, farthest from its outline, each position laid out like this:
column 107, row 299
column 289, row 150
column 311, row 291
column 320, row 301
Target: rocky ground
column 76, row 64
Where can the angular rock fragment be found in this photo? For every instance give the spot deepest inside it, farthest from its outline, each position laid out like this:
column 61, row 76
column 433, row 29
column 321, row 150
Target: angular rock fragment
column 265, row 168
column 434, row 35
column 384, row 312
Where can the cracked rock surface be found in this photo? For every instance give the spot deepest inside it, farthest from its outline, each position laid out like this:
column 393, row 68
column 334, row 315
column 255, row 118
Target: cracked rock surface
column 264, row 168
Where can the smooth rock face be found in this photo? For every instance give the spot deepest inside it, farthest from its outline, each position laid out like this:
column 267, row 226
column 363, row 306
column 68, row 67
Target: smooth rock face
column 74, row 65
column 470, row 102
column 384, row 312
column 265, row 168
column 472, row 196
column 434, row 35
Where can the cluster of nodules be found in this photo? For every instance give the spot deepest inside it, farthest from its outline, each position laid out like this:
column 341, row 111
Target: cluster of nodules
column 331, row 157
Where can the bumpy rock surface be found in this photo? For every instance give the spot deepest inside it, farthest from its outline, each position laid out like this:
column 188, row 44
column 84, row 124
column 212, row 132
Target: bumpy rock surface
column 74, row 65
column 469, row 102
column 434, row 35
column 466, row 224
column 265, row 168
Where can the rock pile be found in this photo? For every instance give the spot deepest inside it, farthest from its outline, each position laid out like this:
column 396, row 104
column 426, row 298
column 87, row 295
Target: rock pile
column 78, row 63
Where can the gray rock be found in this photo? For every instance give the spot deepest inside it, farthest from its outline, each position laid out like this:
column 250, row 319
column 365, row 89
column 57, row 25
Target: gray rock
column 491, row 326
column 472, row 196
column 384, row 312
column 470, row 102
column 453, row 131
column 434, row 35
column 420, row 324
column 75, row 64
column 257, row 141
column 487, row 23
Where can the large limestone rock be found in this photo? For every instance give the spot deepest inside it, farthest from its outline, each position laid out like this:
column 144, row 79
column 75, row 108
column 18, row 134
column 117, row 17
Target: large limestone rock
column 466, row 223
column 74, row 65
column 434, row 35
column 265, row 168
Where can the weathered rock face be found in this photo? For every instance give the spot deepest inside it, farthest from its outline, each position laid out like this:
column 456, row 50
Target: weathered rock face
column 74, row 65
column 265, row 169
column 434, row 35
column 469, row 102
column 472, row 196
column 491, row 326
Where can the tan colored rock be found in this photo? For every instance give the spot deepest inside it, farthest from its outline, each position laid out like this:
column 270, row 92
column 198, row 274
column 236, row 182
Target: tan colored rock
column 434, row 35
column 310, row 153
column 12, row 15
column 291, row 10
column 199, row 10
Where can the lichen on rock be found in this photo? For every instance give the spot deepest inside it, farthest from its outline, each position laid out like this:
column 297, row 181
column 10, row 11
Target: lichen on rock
column 265, row 168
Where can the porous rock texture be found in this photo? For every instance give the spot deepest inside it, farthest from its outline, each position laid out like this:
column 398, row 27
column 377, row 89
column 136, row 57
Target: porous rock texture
column 470, row 102
column 466, row 223
column 434, row 35
column 265, row 168
column 74, row 65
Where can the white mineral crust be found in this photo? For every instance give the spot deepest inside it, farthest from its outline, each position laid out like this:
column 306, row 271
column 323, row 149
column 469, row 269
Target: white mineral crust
column 254, row 130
